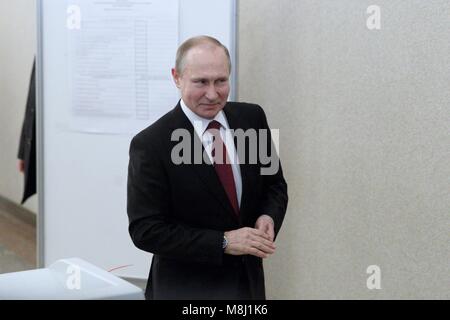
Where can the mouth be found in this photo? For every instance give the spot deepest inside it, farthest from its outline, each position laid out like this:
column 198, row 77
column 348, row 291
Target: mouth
column 210, row 104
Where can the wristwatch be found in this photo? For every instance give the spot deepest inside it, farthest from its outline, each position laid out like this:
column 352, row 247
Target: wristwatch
column 224, row 242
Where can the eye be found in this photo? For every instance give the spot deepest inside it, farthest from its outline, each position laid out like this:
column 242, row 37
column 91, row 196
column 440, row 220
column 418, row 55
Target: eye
column 200, row 81
column 222, row 81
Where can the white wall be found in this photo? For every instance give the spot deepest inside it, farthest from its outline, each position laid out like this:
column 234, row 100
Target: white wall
column 364, row 118
column 17, row 48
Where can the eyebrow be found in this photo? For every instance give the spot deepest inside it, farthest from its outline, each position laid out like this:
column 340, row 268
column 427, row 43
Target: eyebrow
column 204, row 78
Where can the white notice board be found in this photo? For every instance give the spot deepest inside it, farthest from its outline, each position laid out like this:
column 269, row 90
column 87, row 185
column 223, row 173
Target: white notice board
column 103, row 71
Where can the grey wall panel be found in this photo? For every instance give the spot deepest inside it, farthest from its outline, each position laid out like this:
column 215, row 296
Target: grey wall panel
column 364, row 142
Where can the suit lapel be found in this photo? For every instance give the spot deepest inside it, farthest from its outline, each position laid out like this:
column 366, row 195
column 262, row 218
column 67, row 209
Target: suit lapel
column 235, row 123
column 205, row 172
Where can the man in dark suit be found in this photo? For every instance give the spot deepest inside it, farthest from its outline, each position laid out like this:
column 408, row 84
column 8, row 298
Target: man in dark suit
column 208, row 223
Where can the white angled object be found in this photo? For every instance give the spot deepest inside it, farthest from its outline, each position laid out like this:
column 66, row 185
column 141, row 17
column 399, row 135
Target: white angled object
column 71, row 278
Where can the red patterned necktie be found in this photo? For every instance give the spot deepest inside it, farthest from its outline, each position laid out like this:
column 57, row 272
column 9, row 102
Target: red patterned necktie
column 222, row 164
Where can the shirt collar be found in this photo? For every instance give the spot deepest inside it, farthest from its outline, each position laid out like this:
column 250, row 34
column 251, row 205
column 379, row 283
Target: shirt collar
column 199, row 123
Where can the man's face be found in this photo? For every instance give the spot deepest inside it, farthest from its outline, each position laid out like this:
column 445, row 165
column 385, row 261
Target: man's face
column 204, row 80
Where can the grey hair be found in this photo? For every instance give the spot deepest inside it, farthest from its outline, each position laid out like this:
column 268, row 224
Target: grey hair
column 193, row 42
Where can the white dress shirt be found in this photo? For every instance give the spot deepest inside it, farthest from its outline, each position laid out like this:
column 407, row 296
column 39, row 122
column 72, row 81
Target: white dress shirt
column 200, row 124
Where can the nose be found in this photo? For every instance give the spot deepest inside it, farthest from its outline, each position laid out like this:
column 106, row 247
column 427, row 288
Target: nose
column 211, row 93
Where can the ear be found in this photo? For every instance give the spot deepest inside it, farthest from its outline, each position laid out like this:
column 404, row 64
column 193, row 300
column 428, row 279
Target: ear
column 176, row 77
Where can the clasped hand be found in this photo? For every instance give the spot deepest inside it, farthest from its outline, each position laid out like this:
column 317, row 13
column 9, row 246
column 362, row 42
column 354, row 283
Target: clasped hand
column 256, row 241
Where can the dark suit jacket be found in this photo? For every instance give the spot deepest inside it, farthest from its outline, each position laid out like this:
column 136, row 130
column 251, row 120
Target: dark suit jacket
column 180, row 212
column 27, row 146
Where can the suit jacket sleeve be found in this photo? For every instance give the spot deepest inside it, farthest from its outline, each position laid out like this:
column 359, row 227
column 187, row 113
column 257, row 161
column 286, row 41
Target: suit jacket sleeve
column 151, row 225
column 28, row 125
column 275, row 196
